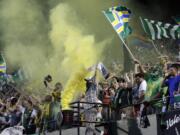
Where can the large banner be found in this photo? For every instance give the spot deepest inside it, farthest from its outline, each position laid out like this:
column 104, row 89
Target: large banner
column 169, row 123
column 17, row 130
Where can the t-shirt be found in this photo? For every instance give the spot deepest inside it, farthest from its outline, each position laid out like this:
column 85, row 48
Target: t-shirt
column 142, row 87
column 27, row 115
column 173, row 84
column 106, row 97
column 46, row 110
column 33, row 112
column 115, row 100
column 154, row 87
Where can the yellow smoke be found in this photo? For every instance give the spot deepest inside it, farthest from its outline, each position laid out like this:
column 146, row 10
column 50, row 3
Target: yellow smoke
column 24, row 35
column 57, row 43
column 74, row 86
column 79, row 50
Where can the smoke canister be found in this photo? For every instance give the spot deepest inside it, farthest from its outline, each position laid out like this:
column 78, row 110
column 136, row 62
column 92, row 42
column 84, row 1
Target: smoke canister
column 67, row 117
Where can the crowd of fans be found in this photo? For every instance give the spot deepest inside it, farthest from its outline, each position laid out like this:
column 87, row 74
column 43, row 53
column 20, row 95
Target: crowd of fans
column 148, row 89
column 20, row 109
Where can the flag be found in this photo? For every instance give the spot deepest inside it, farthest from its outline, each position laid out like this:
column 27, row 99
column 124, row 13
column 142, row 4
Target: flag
column 159, row 30
column 177, row 19
column 2, row 64
column 103, row 70
column 100, row 66
column 119, row 17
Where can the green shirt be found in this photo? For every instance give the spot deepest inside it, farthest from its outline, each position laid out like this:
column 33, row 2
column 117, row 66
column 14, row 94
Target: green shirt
column 154, row 87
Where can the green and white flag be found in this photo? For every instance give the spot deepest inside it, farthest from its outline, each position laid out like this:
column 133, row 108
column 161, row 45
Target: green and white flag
column 159, row 30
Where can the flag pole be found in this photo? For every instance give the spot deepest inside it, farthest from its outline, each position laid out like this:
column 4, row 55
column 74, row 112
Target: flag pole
column 127, row 48
column 129, row 51
column 158, row 52
column 156, row 49
column 95, row 74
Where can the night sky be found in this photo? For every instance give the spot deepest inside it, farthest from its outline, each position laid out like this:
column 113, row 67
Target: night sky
column 169, row 7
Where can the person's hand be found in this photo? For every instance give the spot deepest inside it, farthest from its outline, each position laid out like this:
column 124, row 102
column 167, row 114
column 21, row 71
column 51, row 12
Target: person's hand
column 126, row 76
column 111, row 75
column 136, row 61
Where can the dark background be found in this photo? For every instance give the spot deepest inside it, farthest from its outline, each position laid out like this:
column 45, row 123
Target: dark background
column 169, row 7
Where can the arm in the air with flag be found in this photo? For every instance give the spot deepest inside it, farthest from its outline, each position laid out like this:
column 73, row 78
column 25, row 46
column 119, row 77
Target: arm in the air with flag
column 139, row 65
column 129, row 78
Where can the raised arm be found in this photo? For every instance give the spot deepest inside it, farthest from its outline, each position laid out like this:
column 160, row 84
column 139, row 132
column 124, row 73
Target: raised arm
column 139, row 65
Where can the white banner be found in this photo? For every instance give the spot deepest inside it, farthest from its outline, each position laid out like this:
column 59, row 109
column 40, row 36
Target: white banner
column 16, row 130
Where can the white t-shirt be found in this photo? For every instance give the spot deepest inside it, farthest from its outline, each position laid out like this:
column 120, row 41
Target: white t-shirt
column 142, row 87
column 33, row 113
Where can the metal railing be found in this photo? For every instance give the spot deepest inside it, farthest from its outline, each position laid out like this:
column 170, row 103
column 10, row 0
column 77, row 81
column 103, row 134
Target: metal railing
column 76, row 105
column 78, row 110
